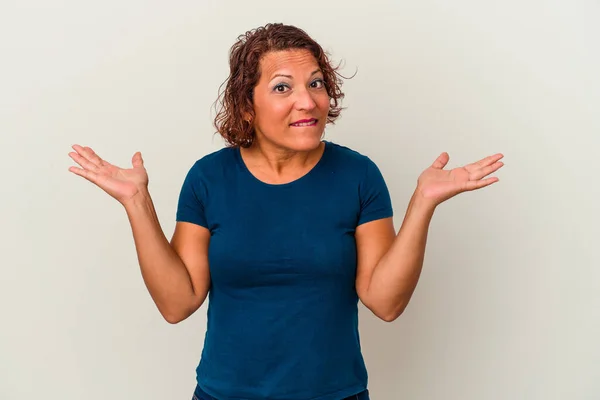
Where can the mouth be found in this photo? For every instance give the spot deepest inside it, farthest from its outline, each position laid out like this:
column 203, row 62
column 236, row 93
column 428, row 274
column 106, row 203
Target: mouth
column 305, row 122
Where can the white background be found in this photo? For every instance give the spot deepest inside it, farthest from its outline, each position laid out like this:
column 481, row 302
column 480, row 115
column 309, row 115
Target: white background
column 508, row 305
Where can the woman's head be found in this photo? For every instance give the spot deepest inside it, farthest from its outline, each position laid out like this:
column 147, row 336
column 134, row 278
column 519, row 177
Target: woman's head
column 278, row 76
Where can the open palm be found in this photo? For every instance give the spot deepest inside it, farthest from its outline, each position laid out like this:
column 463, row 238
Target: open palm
column 437, row 184
column 122, row 184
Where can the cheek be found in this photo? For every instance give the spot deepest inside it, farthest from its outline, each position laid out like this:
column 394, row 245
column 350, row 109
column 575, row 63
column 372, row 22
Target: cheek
column 276, row 114
column 281, row 109
column 270, row 111
column 323, row 103
column 322, row 99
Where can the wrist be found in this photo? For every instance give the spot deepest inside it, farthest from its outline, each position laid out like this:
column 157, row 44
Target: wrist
column 422, row 203
column 139, row 200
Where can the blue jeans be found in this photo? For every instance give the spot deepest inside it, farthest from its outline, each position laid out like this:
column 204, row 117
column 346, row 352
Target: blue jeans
column 200, row 395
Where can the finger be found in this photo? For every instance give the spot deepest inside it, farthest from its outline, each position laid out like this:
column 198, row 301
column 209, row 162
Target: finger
column 89, row 175
column 474, row 185
column 441, row 161
column 137, row 160
column 473, row 167
column 480, row 173
column 83, row 162
column 95, row 158
column 488, row 160
column 88, row 154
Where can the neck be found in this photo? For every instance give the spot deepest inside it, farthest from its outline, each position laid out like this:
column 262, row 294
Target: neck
column 278, row 160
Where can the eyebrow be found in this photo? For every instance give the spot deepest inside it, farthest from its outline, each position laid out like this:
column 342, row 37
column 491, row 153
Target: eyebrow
column 290, row 77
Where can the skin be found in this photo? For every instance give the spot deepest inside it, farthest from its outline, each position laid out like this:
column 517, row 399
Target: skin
column 176, row 272
column 290, row 89
column 389, row 263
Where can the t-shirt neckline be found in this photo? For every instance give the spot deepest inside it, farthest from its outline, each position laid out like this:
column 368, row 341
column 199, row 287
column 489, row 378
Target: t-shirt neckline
column 314, row 169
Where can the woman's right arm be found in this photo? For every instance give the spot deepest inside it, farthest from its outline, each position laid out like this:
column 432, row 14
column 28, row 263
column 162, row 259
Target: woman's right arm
column 176, row 273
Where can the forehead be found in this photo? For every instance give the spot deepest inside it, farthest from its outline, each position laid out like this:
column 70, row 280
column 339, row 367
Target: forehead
column 289, row 60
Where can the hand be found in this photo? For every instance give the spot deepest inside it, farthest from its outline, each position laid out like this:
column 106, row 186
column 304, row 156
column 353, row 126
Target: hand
column 122, row 184
column 438, row 185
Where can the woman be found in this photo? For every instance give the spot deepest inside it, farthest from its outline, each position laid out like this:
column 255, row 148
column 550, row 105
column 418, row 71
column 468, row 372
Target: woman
column 283, row 231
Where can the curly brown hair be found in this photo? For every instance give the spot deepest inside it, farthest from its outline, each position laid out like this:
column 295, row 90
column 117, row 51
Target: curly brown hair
column 244, row 63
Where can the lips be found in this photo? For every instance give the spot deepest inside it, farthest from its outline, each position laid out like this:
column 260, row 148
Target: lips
column 305, row 122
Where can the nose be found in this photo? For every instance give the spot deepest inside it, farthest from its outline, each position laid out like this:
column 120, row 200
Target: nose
column 304, row 100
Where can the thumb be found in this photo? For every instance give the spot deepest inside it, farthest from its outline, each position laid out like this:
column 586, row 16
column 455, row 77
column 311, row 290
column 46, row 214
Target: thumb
column 137, row 160
column 441, row 161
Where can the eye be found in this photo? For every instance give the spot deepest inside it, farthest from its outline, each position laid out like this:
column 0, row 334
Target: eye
column 280, row 88
column 317, row 84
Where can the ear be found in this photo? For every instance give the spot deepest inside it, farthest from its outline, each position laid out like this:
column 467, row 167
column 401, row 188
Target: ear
column 248, row 117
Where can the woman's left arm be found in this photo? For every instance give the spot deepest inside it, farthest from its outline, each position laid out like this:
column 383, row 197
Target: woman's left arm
column 389, row 265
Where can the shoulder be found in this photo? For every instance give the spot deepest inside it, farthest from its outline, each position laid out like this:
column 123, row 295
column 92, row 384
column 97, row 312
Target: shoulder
column 210, row 168
column 214, row 165
column 350, row 159
column 214, row 159
column 344, row 151
column 358, row 168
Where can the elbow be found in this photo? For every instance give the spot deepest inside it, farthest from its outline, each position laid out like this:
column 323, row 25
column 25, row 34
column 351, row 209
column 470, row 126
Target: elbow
column 389, row 317
column 176, row 314
column 174, row 317
column 386, row 308
column 390, row 313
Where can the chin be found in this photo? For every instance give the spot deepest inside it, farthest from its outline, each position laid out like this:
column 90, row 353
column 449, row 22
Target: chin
column 297, row 140
column 306, row 143
column 308, row 138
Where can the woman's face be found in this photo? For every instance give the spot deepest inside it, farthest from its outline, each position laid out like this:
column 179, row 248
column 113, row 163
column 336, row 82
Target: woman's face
column 290, row 101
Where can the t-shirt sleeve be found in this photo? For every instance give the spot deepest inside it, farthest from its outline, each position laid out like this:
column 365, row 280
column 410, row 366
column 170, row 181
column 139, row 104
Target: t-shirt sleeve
column 190, row 207
column 375, row 200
